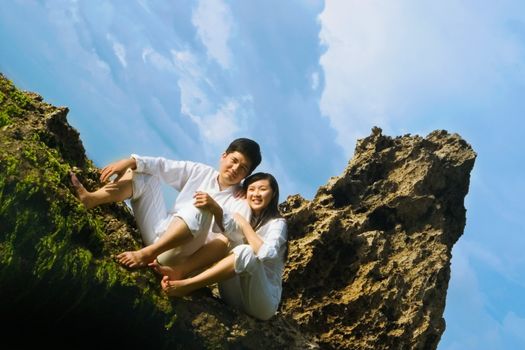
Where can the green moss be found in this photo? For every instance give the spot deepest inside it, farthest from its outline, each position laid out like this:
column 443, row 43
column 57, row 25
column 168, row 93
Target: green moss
column 107, row 271
column 10, row 92
column 4, row 119
column 20, row 99
column 6, row 252
column 13, row 102
column 52, row 250
column 9, row 164
column 48, row 251
column 77, row 262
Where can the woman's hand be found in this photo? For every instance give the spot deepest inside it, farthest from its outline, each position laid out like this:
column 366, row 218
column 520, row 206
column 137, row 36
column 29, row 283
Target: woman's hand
column 239, row 193
column 118, row 168
column 251, row 236
column 241, row 221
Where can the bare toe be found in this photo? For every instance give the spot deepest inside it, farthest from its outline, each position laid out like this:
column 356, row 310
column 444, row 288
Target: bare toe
column 135, row 259
column 74, row 181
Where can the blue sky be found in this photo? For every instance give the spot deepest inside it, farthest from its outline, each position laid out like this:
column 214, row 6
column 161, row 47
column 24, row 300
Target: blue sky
column 306, row 79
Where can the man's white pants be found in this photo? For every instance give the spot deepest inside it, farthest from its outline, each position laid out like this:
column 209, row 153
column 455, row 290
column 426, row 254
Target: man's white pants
column 153, row 218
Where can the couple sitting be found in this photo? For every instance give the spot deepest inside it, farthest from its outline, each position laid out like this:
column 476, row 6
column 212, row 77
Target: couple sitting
column 218, row 231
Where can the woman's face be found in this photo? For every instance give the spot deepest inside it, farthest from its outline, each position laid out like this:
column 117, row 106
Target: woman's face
column 259, row 194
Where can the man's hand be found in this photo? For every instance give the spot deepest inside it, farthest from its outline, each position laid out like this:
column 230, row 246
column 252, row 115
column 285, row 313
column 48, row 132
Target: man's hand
column 204, row 201
column 117, row 168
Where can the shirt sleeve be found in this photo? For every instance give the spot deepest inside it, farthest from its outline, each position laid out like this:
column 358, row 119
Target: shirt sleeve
column 232, row 230
column 173, row 172
column 274, row 240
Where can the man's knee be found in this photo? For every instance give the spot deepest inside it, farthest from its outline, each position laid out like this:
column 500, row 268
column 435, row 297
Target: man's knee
column 197, row 220
column 142, row 183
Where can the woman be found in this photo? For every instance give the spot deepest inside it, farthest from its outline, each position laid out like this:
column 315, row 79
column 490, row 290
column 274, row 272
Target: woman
column 250, row 276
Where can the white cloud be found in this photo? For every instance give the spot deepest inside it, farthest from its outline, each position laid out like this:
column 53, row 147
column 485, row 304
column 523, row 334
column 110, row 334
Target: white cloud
column 118, row 49
column 219, row 118
column 384, row 60
column 221, row 126
column 188, row 65
column 157, row 60
column 213, row 20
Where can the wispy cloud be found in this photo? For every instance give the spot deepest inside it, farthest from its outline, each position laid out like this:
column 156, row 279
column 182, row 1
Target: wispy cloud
column 221, row 126
column 214, row 22
column 118, row 49
column 384, row 60
column 503, row 265
column 157, row 60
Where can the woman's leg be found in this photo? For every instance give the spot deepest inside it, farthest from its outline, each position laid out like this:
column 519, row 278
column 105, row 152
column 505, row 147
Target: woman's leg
column 260, row 297
column 109, row 193
column 221, row 271
column 208, row 254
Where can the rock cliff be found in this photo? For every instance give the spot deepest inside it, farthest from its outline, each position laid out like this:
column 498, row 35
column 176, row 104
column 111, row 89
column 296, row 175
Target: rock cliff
column 368, row 266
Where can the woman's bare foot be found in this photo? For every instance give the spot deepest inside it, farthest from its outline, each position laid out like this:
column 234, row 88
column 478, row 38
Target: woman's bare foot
column 135, row 259
column 82, row 194
column 176, row 288
column 173, row 272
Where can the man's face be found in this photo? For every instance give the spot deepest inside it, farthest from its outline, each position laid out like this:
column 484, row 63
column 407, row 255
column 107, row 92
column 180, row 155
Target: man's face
column 233, row 168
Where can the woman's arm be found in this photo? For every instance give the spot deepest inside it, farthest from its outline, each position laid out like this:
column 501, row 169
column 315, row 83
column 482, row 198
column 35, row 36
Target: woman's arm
column 274, row 236
column 251, row 236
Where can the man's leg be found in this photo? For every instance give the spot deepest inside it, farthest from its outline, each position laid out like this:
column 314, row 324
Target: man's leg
column 109, row 193
column 176, row 235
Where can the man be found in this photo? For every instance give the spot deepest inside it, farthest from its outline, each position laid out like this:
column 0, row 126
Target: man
column 179, row 233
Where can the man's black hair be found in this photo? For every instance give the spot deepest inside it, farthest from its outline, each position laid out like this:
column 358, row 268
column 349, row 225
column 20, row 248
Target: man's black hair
column 249, row 148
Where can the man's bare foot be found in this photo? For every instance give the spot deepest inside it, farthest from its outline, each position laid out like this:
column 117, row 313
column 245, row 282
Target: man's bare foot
column 173, row 272
column 176, row 288
column 82, row 194
column 135, row 259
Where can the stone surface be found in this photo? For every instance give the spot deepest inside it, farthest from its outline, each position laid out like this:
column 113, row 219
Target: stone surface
column 368, row 267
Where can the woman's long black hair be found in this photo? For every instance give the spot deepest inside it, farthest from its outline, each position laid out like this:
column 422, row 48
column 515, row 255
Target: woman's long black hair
column 272, row 210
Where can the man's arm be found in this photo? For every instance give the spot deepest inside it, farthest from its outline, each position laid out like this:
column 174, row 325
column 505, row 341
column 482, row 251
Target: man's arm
column 118, row 168
column 205, row 201
column 173, row 172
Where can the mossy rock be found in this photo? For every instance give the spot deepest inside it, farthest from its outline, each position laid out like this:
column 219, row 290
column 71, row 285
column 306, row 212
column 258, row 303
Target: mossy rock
column 60, row 283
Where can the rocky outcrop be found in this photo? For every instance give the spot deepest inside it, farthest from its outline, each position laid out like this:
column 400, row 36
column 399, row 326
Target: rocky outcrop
column 370, row 256
column 368, row 267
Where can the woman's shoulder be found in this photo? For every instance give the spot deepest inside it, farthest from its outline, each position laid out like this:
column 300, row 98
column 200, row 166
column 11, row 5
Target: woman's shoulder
column 276, row 222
